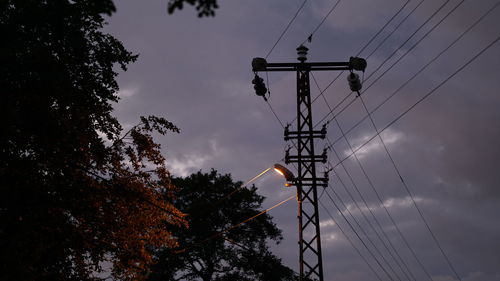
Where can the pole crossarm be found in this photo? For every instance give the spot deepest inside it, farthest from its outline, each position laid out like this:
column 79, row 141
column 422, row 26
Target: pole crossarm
column 311, row 66
column 299, row 158
column 354, row 63
column 298, row 134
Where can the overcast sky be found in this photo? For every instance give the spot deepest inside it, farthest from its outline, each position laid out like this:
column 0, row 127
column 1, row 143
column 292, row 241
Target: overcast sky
column 197, row 73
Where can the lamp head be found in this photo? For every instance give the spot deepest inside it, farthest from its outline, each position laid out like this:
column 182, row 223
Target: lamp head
column 282, row 170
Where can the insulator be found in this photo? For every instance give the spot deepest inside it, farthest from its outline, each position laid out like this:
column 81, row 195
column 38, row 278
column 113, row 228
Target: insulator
column 259, row 64
column 358, row 64
column 259, row 86
column 302, row 53
column 354, row 82
column 260, row 89
column 257, row 80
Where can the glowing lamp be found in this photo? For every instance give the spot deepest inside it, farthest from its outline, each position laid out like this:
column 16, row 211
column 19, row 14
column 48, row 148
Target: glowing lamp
column 282, row 170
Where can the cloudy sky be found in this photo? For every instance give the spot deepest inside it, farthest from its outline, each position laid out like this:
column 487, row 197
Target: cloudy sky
column 196, row 73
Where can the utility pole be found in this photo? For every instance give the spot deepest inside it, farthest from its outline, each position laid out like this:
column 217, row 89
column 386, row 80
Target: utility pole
column 307, row 181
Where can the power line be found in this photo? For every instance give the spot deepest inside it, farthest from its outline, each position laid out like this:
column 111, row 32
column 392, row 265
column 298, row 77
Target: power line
column 246, row 248
column 412, row 47
column 370, row 182
column 356, row 233
column 416, row 31
column 236, row 225
column 275, row 115
column 396, row 28
column 481, row 18
column 400, row 58
column 385, row 25
column 397, row 61
column 366, row 45
column 408, row 110
column 410, row 194
column 422, row 99
column 373, row 187
column 375, row 219
column 238, row 189
column 350, row 241
column 366, row 219
column 286, row 28
column 378, row 196
column 338, row 113
column 309, row 38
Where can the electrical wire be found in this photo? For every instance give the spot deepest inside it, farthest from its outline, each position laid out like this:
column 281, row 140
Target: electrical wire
column 385, row 25
column 436, row 241
column 392, row 160
column 422, row 99
column 359, row 52
column 398, row 262
column 224, row 198
column 481, row 18
column 416, row 31
column 286, row 28
column 236, row 225
column 401, row 261
column 247, row 249
column 356, row 233
column 309, row 38
column 321, row 93
column 411, row 107
column 432, row 91
column 370, row 182
column 273, row 111
column 275, row 115
column 395, row 28
column 397, row 61
column 350, row 241
column 367, row 220
column 412, row 47
column 407, row 51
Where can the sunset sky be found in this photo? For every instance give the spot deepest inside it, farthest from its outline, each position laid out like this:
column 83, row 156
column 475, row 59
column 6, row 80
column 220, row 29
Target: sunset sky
column 196, row 72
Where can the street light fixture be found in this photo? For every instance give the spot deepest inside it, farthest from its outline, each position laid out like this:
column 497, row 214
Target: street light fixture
column 289, row 177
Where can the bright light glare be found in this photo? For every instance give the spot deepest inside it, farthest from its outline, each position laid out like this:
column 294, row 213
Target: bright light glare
column 256, row 177
column 279, row 171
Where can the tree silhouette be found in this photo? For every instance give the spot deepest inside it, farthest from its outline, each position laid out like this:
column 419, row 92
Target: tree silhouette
column 204, row 7
column 76, row 191
column 210, row 249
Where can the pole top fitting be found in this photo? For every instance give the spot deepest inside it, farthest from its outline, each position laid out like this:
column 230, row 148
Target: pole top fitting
column 302, row 53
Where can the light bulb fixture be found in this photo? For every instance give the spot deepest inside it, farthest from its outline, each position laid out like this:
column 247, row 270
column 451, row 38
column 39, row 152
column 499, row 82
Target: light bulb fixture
column 282, row 170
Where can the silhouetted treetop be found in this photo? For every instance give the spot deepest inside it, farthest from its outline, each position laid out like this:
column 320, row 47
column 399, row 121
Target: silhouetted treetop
column 204, row 7
column 211, row 249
